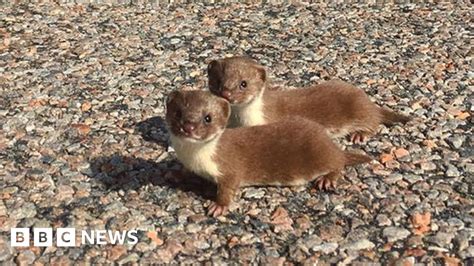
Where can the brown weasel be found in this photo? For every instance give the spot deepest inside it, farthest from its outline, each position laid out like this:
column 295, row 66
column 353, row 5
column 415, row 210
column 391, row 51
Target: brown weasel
column 340, row 107
column 287, row 153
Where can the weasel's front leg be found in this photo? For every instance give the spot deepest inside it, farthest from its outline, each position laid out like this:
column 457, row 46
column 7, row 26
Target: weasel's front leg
column 328, row 181
column 225, row 194
column 359, row 137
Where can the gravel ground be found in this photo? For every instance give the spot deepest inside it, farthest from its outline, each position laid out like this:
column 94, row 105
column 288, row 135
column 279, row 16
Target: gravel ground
column 83, row 144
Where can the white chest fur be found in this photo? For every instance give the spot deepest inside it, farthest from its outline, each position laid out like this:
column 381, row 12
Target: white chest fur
column 197, row 157
column 250, row 114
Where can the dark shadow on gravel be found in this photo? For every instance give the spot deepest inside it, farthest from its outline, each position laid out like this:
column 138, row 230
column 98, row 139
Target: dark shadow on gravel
column 154, row 130
column 131, row 173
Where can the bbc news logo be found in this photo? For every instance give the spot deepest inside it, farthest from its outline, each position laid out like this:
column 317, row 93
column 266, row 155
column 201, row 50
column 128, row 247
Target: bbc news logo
column 66, row 237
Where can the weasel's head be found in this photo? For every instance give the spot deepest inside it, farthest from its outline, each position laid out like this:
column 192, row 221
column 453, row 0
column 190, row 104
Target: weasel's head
column 236, row 79
column 196, row 116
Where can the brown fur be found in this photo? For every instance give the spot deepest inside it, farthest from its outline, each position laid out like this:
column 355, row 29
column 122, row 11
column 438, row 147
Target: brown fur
column 291, row 152
column 340, row 107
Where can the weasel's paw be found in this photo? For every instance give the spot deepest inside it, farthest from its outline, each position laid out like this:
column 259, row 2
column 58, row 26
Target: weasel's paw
column 358, row 137
column 216, row 210
column 325, row 183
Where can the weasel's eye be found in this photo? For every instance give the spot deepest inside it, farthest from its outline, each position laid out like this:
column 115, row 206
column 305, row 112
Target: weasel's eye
column 243, row 84
column 207, row 119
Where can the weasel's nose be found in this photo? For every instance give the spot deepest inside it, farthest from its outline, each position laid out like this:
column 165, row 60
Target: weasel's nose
column 226, row 94
column 188, row 128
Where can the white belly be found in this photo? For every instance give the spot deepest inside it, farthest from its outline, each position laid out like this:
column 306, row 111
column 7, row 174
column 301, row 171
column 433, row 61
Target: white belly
column 248, row 115
column 197, row 157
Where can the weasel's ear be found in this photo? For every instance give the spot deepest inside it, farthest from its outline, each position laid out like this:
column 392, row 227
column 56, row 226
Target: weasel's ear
column 225, row 108
column 213, row 67
column 171, row 96
column 262, row 73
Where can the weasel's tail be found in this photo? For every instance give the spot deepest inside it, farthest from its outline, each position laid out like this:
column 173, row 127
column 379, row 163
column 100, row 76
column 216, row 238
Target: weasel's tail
column 353, row 158
column 389, row 117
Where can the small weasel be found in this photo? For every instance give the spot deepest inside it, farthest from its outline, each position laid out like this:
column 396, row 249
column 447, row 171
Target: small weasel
column 340, row 107
column 287, row 153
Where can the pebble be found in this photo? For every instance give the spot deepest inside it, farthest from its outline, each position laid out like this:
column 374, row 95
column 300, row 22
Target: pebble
column 452, row 171
column 457, row 141
column 28, row 210
column 254, row 193
column 441, row 239
column 468, row 253
column 193, row 228
column 428, row 166
column 405, row 261
column 115, row 252
column 201, row 244
column 312, row 240
column 393, row 233
column 6, row 250
column 129, row 259
column 383, row 220
column 26, row 257
column 325, row 248
column 359, row 245
column 461, row 240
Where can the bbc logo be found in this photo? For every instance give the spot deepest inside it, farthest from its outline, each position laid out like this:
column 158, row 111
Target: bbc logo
column 43, row 237
column 66, row 237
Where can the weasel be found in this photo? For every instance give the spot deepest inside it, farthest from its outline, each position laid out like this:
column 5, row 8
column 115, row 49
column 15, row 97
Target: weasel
column 339, row 106
column 286, row 153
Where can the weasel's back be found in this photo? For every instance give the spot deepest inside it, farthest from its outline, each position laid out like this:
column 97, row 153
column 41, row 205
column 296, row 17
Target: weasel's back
column 281, row 150
column 333, row 104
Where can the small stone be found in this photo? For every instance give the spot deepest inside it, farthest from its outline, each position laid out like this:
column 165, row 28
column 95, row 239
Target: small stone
column 325, row 248
column 5, row 249
column 428, row 166
column 254, row 193
column 456, row 142
column 175, row 40
column 393, row 178
column 115, row 252
column 197, row 218
column 383, row 220
column 400, row 153
column 312, row 240
column 193, row 228
column 441, row 239
column 60, row 260
column 461, row 241
column 407, row 261
column 415, row 241
column 468, row 253
column 303, row 223
column 277, row 261
column 153, row 235
column 201, row 244
column 28, row 210
column 359, row 245
column 130, row 258
column 3, row 209
column 86, row 106
column 470, row 167
column 394, row 233
column 64, row 193
column 411, row 178
column 26, row 257
column 452, row 171
column 144, row 247
column 331, row 232
column 455, row 222
column 29, row 128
